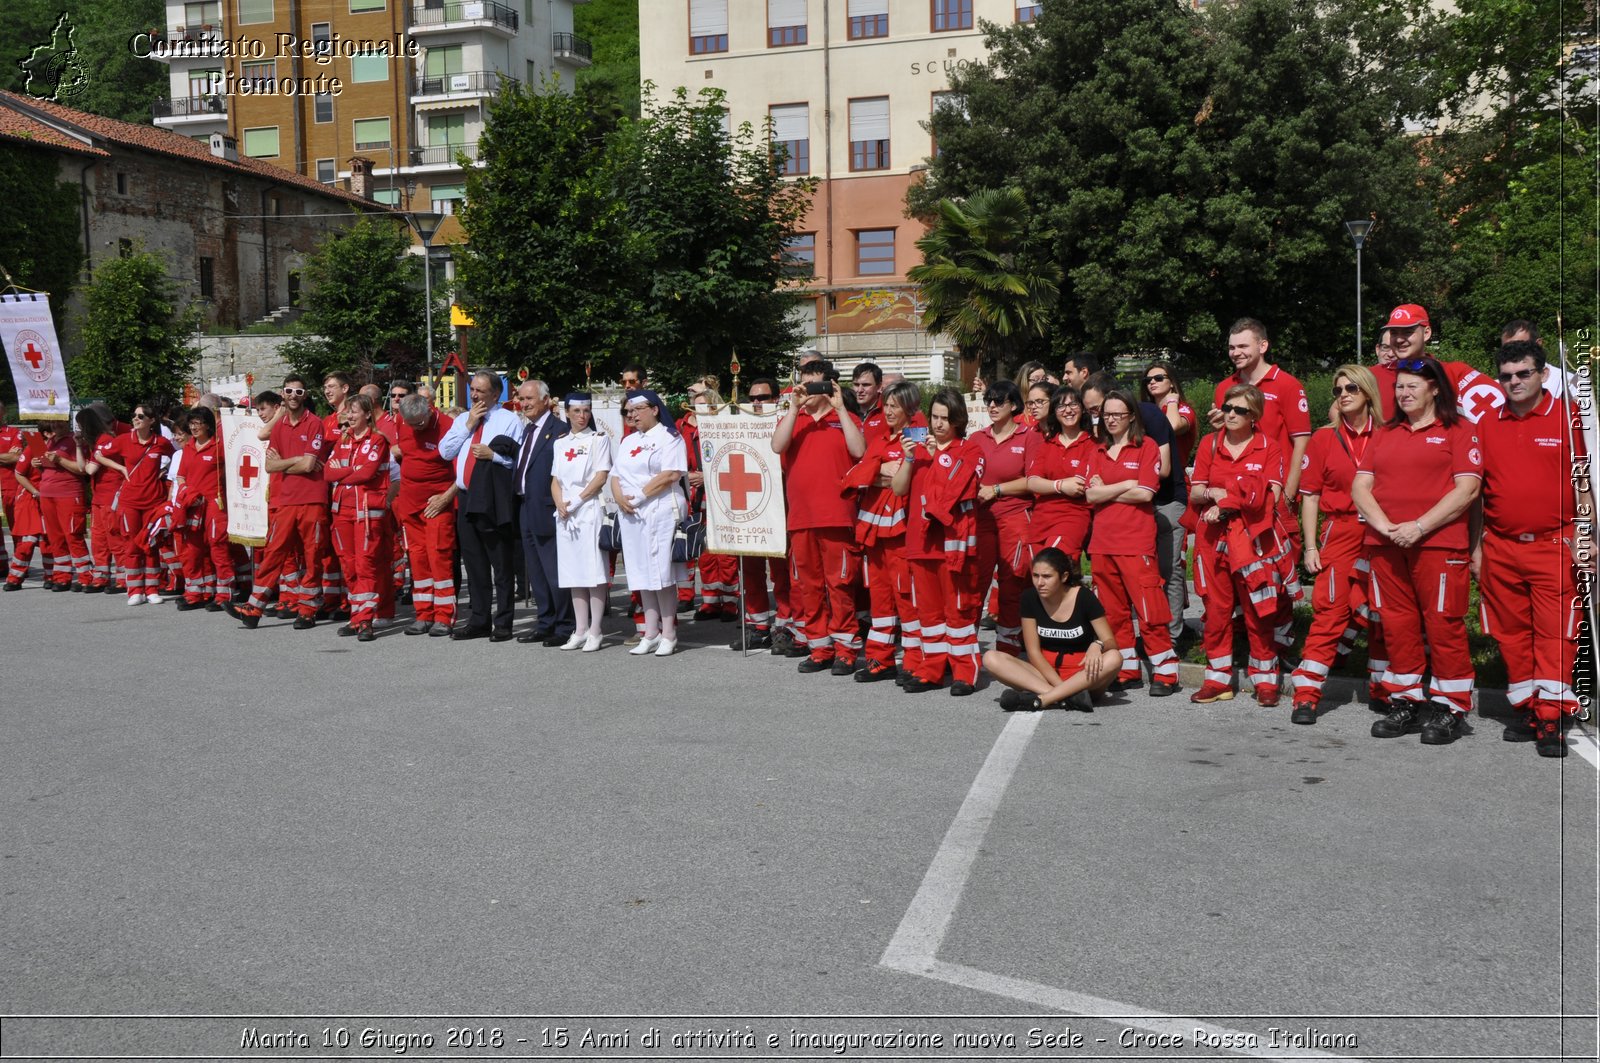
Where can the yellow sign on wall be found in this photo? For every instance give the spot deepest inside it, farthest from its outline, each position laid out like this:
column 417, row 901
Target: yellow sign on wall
column 459, row 318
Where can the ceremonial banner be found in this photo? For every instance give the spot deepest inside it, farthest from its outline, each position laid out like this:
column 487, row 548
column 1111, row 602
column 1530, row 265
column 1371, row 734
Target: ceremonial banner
column 246, row 476
column 235, row 388
column 745, row 512
column 29, row 338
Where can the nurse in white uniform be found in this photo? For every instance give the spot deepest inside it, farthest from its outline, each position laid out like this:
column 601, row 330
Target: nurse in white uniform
column 577, row 479
column 647, row 483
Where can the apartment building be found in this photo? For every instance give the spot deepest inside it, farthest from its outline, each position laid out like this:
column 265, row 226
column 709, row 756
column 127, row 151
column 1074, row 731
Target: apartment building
column 849, row 86
column 309, row 85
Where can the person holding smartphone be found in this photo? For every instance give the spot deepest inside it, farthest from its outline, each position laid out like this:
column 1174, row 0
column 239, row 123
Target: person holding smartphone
column 819, row 441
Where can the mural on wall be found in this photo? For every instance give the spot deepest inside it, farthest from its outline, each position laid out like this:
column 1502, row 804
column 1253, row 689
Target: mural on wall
column 875, row 308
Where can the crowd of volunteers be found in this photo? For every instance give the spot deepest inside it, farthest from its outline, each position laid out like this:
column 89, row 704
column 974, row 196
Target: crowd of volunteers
column 1070, row 524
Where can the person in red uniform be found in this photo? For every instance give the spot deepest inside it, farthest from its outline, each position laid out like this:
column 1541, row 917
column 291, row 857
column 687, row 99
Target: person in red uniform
column 1059, row 476
column 767, row 614
column 296, row 445
column 358, row 469
column 1233, row 495
column 1409, row 331
column 866, row 380
column 719, row 573
column 1123, row 476
column 204, row 549
column 1414, row 487
column 819, row 441
column 62, row 475
column 105, row 538
column 1530, row 540
column 141, row 458
column 26, row 516
column 940, row 480
column 336, row 387
column 1337, row 555
column 426, row 508
column 1005, row 534
column 881, row 533
column 1286, row 420
column 10, row 455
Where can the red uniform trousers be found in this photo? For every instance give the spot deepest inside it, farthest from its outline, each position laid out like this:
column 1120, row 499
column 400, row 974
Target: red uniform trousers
column 1222, row 591
column 824, row 569
column 889, row 587
column 762, row 611
column 141, row 562
column 1067, row 534
column 8, row 499
column 431, row 546
column 360, row 538
column 947, row 603
column 105, row 543
column 1130, row 585
column 334, row 588
column 1339, row 599
column 1421, row 593
column 27, row 529
column 294, row 549
column 1528, row 604
column 207, row 556
column 1005, row 545
column 719, row 582
column 66, row 532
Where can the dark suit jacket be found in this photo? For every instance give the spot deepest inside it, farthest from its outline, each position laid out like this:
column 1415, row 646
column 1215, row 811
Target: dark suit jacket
column 538, row 506
column 491, row 500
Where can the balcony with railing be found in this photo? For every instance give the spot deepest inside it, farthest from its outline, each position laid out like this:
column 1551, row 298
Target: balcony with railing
column 212, row 107
column 471, row 84
column 443, row 154
column 573, row 50
column 463, row 14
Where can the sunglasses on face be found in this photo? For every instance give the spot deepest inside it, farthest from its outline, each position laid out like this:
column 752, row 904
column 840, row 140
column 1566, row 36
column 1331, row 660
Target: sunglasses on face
column 1519, row 374
column 1413, row 365
column 294, row 391
column 1155, row 378
column 1347, row 389
column 1242, row 411
column 760, row 398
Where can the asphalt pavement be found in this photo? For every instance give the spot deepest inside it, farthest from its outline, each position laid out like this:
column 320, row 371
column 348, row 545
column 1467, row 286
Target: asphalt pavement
column 294, row 831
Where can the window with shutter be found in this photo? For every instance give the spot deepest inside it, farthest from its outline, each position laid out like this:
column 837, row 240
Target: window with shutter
column 791, row 130
column 867, row 18
column 869, row 133
column 708, row 26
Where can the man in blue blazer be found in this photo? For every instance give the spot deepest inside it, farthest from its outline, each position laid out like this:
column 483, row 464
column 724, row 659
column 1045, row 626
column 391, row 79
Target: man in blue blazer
column 537, row 513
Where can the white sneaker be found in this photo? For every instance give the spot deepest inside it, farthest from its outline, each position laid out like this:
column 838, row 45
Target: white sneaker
column 155, row 599
column 135, row 599
column 575, row 642
column 666, row 647
column 646, row 646
column 592, row 642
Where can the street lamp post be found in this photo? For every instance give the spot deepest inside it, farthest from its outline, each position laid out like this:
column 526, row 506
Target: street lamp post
column 426, row 223
column 1358, row 234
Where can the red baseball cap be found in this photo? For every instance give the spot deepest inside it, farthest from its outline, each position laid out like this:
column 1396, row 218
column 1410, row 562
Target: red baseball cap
column 1407, row 315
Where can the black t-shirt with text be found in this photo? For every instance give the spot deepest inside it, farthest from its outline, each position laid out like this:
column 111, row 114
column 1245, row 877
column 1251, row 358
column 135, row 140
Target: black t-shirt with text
column 1072, row 635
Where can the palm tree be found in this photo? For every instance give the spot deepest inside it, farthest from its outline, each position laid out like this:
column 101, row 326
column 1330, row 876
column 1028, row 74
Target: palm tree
column 982, row 281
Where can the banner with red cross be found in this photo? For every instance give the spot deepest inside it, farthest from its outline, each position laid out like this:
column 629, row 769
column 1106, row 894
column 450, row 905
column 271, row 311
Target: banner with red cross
column 745, row 511
column 29, row 337
column 245, row 458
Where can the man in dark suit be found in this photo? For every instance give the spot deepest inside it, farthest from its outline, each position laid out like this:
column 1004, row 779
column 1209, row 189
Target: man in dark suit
column 537, row 513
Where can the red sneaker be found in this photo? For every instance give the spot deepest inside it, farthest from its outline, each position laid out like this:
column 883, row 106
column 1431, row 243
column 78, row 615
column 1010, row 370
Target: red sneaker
column 1211, row 691
column 1267, row 695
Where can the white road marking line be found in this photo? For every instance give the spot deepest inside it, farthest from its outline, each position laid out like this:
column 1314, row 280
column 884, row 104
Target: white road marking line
column 1580, row 739
column 915, row 945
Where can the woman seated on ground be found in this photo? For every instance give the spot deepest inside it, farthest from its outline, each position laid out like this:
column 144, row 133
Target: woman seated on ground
column 1068, row 646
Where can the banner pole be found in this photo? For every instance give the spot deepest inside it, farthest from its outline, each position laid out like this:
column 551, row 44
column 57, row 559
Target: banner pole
column 744, row 628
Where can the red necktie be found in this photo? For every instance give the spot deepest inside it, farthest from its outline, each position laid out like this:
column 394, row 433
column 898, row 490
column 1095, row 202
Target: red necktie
column 472, row 459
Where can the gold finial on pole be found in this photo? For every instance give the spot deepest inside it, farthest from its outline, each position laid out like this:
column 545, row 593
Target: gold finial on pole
column 733, row 367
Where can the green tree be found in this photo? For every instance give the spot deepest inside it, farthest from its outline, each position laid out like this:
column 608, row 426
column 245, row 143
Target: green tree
column 1193, row 167
column 612, row 28
column 364, row 304
column 41, row 243
column 136, row 334
column 983, row 280
column 660, row 239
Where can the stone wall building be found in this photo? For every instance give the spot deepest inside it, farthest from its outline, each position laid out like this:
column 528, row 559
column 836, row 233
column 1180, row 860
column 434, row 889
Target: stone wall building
column 235, row 231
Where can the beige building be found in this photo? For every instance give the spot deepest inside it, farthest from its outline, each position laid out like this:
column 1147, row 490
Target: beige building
column 849, row 86
column 309, row 85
